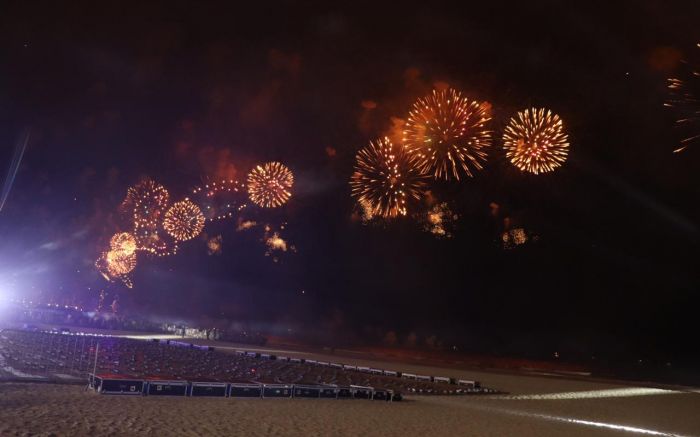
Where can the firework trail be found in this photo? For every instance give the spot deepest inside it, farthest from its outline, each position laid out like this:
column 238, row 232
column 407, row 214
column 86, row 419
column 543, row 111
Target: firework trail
column 20, row 147
column 684, row 99
column 220, row 200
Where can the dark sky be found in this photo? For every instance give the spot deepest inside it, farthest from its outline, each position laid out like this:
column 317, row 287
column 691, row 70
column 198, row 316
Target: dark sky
column 185, row 92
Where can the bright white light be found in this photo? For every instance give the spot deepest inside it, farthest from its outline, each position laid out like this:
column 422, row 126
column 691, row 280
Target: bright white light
column 604, row 425
column 593, row 394
column 562, row 419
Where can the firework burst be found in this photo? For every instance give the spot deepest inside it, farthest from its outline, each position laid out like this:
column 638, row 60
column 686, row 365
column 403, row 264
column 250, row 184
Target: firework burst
column 147, row 202
column 116, row 264
column 535, row 141
column 123, row 242
column 184, row 220
column 270, row 184
column 120, row 263
column 684, row 99
column 446, row 133
column 385, row 179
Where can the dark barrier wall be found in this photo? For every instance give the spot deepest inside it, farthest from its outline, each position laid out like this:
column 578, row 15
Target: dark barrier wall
column 277, row 391
column 245, row 391
column 119, row 386
column 330, row 393
column 344, row 393
column 306, row 392
column 167, row 388
column 362, row 393
column 381, row 395
column 212, row 390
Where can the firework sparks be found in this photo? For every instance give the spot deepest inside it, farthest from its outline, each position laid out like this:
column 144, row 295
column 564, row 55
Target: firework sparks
column 366, row 213
column 270, row 184
column 684, row 99
column 214, row 245
column 446, row 133
column 244, row 225
column 385, row 178
column 439, row 220
column 115, row 264
column 221, row 199
column 535, row 141
column 275, row 243
column 123, row 242
column 120, row 263
column 184, row 220
column 147, row 202
column 514, row 237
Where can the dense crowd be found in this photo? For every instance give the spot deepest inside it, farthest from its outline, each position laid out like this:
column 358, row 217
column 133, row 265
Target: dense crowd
column 49, row 354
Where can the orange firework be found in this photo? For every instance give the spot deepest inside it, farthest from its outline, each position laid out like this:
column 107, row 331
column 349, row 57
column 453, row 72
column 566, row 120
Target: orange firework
column 184, row 220
column 447, row 134
column 270, row 184
column 535, row 141
column 385, row 178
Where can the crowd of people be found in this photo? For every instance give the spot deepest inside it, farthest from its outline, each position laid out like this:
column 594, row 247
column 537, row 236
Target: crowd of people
column 45, row 354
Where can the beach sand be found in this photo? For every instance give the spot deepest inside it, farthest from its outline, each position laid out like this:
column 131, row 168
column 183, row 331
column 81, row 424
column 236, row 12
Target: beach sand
column 51, row 409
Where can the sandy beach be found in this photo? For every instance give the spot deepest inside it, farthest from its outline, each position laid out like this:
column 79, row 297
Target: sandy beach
column 536, row 406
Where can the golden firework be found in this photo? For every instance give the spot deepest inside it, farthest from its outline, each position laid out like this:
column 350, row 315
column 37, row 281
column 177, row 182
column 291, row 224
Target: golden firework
column 120, row 263
column 124, row 242
column 535, row 141
column 447, row 133
column 184, row 220
column 270, row 184
column 385, row 179
column 147, row 202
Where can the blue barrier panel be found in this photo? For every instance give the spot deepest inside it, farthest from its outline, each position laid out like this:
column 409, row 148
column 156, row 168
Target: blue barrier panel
column 167, row 388
column 360, row 392
column 211, row 389
column 277, row 391
column 344, row 393
column 329, row 393
column 307, row 391
column 245, row 390
column 117, row 385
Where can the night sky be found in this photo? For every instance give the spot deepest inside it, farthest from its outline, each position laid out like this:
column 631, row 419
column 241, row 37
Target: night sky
column 190, row 92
